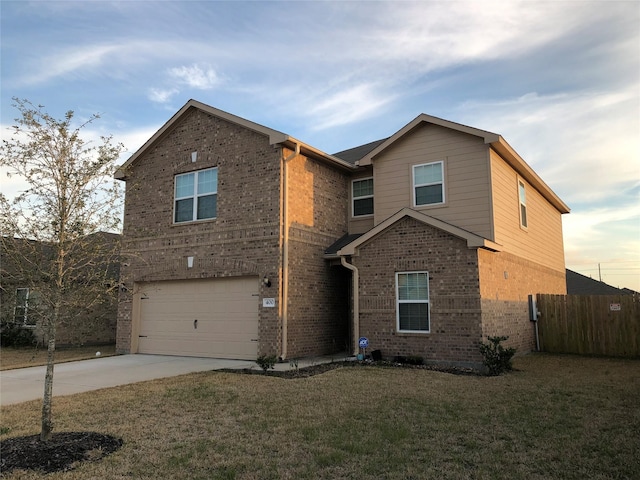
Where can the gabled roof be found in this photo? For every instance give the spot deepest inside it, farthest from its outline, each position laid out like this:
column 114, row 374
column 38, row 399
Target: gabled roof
column 496, row 142
column 473, row 240
column 275, row 137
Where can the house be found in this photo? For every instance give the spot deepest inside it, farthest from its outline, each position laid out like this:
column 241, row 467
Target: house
column 578, row 284
column 240, row 240
column 26, row 296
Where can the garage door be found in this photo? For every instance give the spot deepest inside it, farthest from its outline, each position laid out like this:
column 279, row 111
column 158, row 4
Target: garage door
column 200, row 318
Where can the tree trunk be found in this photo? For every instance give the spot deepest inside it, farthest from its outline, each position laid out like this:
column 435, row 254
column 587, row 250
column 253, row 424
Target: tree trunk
column 47, row 423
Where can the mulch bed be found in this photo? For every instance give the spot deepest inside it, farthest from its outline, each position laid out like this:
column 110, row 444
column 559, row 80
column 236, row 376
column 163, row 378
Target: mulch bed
column 63, row 451
column 325, row 367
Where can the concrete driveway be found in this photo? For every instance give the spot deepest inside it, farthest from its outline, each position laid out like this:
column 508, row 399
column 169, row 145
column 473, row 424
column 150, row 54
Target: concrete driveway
column 26, row 384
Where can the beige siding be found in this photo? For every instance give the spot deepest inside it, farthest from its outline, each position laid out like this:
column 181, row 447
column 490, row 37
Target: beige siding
column 541, row 241
column 467, row 192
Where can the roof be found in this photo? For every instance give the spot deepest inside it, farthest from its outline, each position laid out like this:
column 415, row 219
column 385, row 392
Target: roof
column 353, row 155
column 346, row 239
column 578, row 284
column 496, row 142
column 362, row 155
column 275, row 137
column 473, row 240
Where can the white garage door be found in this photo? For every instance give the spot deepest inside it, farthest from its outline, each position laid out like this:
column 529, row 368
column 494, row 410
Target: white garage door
column 200, row 318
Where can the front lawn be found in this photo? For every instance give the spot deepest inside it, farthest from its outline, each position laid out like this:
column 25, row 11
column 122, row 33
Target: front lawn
column 11, row 357
column 556, row 416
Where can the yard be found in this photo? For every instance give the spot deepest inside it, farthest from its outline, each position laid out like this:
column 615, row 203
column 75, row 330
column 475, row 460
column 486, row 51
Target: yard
column 32, row 357
column 556, row 416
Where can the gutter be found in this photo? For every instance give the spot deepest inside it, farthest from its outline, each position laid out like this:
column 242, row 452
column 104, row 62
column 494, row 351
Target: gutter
column 284, row 278
column 356, row 303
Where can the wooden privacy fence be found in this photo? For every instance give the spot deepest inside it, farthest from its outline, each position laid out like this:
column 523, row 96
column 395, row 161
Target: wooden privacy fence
column 589, row 324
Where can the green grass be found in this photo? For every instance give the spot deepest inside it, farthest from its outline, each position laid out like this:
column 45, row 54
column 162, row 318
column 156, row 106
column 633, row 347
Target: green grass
column 556, row 416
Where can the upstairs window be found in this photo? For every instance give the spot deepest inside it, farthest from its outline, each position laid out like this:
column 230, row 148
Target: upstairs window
column 21, row 311
column 428, row 184
column 196, row 195
column 412, row 302
column 523, row 204
column 362, row 194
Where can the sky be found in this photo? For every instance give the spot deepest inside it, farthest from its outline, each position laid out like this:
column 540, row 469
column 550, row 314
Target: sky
column 559, row 80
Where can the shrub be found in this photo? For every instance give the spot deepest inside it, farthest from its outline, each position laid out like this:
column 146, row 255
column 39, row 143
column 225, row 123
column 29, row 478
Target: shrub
column 410, row 360
column 496, row 358
column 15, row 335
column 266, row 362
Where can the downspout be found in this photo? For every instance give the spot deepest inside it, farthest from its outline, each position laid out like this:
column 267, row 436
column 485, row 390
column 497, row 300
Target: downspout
column 356, row 303
column 284, row 278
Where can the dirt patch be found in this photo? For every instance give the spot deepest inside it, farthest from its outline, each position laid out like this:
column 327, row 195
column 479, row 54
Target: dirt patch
column 63, row 451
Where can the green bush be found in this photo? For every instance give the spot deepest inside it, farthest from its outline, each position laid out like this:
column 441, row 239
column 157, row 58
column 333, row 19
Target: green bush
column 15, row 335
column 266, row 362
column 496, row 358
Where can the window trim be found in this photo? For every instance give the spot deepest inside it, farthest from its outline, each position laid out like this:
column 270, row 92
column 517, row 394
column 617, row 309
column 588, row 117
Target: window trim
column 414, row 185
column 362, row 197
column 524, row 219
column 24, row 322
column 194, row 197
column 398, row 302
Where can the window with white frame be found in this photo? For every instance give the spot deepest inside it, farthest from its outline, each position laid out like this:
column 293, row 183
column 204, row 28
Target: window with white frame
column 428, row 184
column 21, row 310
column 196, row 195
column 362, row 194
column 412, row 302
column 522, row 194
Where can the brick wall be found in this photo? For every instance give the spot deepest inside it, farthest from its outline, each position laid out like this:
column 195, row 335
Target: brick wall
column 243, row 240
column 407, row 246
column 318, row 316
column 506, row 282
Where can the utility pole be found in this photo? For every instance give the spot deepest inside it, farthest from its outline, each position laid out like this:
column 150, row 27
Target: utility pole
column 599, row 273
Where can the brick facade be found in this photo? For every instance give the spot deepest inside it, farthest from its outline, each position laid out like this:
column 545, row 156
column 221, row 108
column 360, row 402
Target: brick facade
column 277, row 212
column 506, row 283
column 456, row 317
column 246, row 238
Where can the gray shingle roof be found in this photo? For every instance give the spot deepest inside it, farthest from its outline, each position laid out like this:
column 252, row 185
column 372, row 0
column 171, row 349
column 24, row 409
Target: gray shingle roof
column 341, row 242
column 578, row 284
column 352, row 155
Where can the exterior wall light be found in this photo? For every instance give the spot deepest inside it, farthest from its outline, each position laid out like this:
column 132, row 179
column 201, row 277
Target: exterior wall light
column 266, row 282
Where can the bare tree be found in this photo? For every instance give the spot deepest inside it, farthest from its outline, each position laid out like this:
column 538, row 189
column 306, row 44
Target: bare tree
column 51, row 230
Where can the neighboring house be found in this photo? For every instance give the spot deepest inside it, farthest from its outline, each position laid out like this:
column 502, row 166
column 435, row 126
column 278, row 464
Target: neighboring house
column 578, row 284
column 240, row 240
column 25, row 289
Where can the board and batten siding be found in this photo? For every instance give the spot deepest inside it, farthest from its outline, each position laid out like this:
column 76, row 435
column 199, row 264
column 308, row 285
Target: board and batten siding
column 466, row 171
column 541, row 242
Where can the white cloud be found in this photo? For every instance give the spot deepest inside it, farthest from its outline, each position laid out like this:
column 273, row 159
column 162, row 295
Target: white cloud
column 160, row 95
column 198, row 76
column 84, row 58
column 202, row 77
column 345, row 106
column 571, row 139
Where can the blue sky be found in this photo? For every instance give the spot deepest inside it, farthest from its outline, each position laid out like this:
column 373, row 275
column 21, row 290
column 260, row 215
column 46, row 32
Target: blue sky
column 560, row 81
